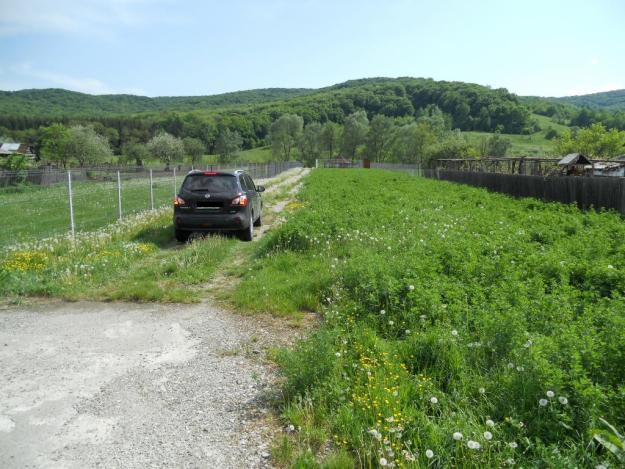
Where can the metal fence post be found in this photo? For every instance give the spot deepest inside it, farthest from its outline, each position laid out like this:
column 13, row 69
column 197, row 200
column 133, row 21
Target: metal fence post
column 71, row 204
column 151, row 191
column 175, row 185
column 119, row 194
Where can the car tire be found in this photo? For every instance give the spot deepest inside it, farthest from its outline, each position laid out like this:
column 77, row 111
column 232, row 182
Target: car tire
column 248, row 233
column 259, row 220
column 182, row 236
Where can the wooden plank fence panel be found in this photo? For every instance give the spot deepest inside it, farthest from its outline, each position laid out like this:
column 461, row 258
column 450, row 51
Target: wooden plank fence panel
column 586, row 192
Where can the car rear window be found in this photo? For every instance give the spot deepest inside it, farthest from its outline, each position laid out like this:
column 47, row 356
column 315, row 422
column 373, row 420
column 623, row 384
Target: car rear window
column 216, row 183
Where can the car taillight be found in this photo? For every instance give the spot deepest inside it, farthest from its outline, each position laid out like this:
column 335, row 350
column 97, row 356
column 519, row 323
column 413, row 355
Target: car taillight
column 210, row 173
column 178, row 201
column 240, row 201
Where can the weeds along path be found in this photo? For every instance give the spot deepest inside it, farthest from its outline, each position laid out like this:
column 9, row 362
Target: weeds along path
column 90, row 384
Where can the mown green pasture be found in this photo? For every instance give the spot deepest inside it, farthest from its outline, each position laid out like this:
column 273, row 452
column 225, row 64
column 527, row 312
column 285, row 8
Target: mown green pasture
column 461, row 328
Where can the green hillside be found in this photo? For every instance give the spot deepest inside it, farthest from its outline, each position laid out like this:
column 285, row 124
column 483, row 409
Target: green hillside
column 59, row 102
column 613, row 100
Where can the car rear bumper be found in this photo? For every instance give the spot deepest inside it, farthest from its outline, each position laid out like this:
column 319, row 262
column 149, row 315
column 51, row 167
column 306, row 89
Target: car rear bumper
column 212, row 221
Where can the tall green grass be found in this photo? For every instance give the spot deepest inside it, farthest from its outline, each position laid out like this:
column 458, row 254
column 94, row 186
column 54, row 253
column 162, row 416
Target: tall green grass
column 462, row 328
column 136, row 260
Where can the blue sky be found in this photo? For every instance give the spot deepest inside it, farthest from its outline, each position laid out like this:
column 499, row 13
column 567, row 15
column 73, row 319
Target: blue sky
column 167, row 47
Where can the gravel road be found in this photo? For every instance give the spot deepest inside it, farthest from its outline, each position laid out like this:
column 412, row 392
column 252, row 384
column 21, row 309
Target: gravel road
column 125, row 385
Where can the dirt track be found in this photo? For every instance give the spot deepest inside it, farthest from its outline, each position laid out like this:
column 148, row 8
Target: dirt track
column 125, row 385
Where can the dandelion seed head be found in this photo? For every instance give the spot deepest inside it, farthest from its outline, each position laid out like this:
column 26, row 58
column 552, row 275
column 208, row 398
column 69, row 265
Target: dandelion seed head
column 488, row 436
column 383, row 462
column 411, row 287
column 563, row 400
column 513, row 444
column 490, row 423
column 454, row 332
column 473, row 444
column 338, row 354
column 429, row 453
column 482, row 390
column 550, row 393
column 543, row 402
column 457, row 436
column 382, row 312
column 434, row 400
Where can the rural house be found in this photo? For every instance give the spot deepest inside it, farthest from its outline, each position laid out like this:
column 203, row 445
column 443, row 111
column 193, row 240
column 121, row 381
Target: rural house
column 7, row 149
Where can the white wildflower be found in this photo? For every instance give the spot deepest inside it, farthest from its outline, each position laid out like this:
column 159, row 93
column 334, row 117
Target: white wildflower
column 550, row 394
column 488, row 436
column 457, row 436
column 490, row 423
column 383, row 462
column 338, row 354
column 482, row 390
column 543, row 402
column 429, row 453
column 382, row 312
column 434, row 400
column 513, row 444
column 563, row 400
column 411, row 287
column 391, row 323
column 473, row 444
column 454, row 332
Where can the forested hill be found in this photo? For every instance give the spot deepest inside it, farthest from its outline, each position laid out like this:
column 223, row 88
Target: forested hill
column 469, row 106
column 58, row 102
column 613, row 100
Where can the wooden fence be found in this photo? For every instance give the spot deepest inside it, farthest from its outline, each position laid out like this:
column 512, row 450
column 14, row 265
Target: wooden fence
column 585, row 192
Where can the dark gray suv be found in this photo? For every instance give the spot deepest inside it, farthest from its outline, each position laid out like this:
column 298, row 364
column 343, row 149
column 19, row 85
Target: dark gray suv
column 217, row 201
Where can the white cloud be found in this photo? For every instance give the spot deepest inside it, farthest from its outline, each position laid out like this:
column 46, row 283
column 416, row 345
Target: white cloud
column 25, row 73
column 91, row 17
column 594, row 61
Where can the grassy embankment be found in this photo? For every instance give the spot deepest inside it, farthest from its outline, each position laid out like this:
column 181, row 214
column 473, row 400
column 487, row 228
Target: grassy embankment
column 462, row 328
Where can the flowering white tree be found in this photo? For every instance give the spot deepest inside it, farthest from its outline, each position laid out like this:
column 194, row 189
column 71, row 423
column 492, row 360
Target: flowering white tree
column 166, row 148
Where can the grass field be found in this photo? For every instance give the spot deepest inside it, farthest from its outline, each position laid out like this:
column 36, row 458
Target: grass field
column 462, row 328
column 37, row 212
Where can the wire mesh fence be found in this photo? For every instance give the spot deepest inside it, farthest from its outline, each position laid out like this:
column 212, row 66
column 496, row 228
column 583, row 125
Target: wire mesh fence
column 43, row 203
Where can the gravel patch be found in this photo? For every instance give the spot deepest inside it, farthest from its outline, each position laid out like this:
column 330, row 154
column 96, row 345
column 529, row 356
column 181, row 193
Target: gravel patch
column 134, row 386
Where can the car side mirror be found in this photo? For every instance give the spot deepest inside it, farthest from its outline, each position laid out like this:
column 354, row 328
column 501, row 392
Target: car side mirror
column 260, row 189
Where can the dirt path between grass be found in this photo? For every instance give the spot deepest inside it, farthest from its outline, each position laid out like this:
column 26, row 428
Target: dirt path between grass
column 132, row 386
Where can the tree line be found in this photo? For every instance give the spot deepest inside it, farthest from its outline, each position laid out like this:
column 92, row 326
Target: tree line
column 469, row 106
column 417, row 139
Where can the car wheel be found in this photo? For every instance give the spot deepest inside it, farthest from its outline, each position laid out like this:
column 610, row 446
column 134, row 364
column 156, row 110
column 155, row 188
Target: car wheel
column 182, row 236
column 259, row 220
column 248, row 233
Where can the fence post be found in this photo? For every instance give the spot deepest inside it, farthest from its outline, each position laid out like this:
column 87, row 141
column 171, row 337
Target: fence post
column 71, row 204
column 175, row 185
column 119, row 195
column 151, row 191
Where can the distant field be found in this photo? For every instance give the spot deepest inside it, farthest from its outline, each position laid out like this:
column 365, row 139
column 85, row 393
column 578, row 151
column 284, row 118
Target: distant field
column 527, row 145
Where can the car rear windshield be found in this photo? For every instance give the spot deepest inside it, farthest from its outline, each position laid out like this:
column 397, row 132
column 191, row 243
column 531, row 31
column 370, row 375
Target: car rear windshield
column 215, row 183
